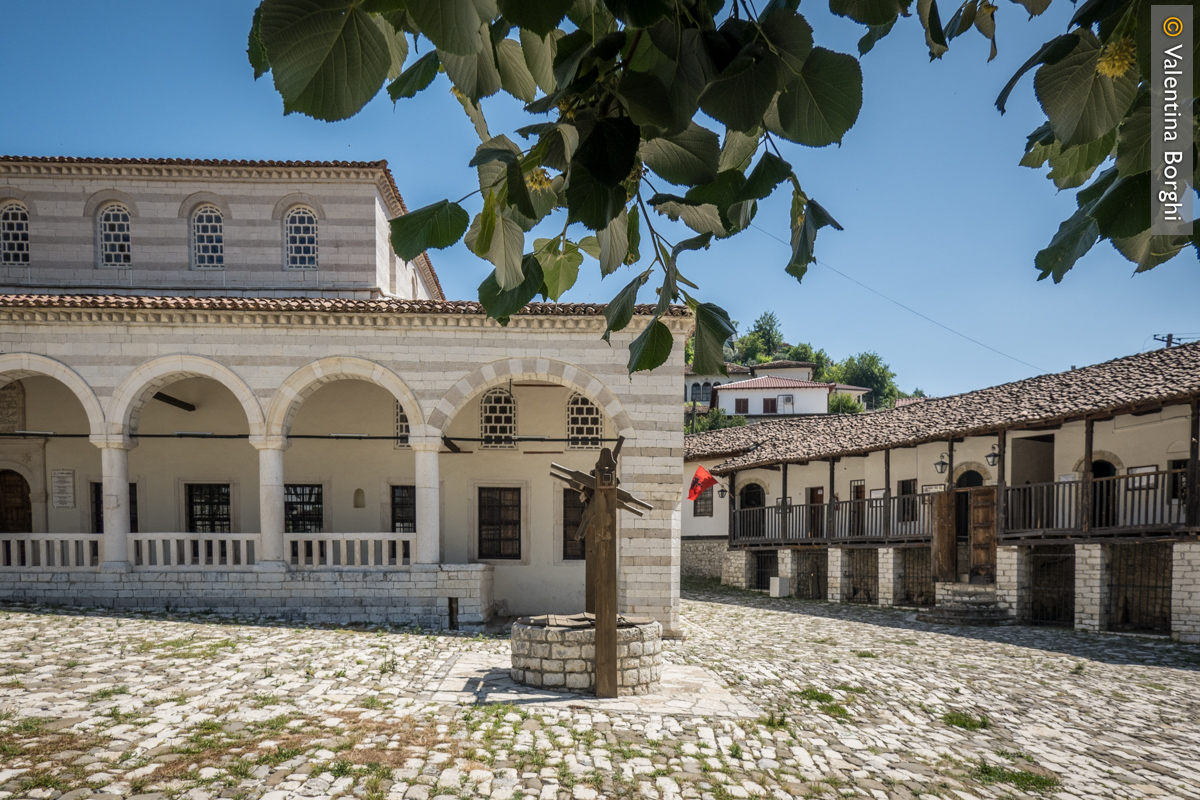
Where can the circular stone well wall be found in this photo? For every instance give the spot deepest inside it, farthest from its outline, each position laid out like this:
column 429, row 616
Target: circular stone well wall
column 564, row 659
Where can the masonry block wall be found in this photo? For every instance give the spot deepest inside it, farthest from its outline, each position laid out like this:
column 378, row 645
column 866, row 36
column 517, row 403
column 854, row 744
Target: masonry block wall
column 1185, row 591
column 737, row 569
column 1091, row 587
column 789, row 568
column 703, row 557
column 891, row 572
column 1012, row 580
column 836, row 584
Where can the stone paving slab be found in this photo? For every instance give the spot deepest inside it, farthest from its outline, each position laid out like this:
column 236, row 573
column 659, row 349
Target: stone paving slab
column 766, row 698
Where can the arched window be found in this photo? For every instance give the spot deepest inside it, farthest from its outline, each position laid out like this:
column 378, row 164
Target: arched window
column 300, row 238
column 401, row 426
column 112, row 236
column 696, row 391
column 585, row 423
column 706, row 395
column 208, row 238
column 14, row 234
column 498, row 420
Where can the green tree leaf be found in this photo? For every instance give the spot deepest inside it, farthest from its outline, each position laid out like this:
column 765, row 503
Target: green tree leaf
column 486, row 226
column 327, row 58
column 501, row 304
column 935, row 37
column 560, row 268
column 1082, row 104
column 614, row 244
column 700, row 217
column 518, row 191
column 537, row 16
column 808, row 217
column 435, row 226
column 962, row 20
column 688, row 158
column 737, row 150
column 452, row 25
column 634, row 236
column 1123, row 211
column 1133, row 142
column 1048, row 53
column 619, row 310
column 591, row 202
column 1072, row 241
column 539, row 57
column 514, row 73
column 474, row 75
column 397, row 46
column 742, row 92
column 645, row 98
column 505, row 253
column 416, row 77
column 768, row 173
column 713, row 329
column 792, row 37
column 651, row 348
column 868, row 12
column 818, row 108
column 1073, row 166
column 255, row 50
column 1034, row 7
column 610, row 150
column 872, row 36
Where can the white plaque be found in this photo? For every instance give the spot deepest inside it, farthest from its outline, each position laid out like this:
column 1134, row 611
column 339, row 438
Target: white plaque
column 62, row 487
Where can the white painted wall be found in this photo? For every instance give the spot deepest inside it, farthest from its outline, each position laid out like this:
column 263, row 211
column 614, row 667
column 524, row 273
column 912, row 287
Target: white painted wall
column 805, row 401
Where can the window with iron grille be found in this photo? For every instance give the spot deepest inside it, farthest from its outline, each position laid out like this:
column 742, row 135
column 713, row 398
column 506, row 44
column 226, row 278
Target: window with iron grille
column 696, row 391
column 404, row 509
column 303, row 508
column 770, row 405
column 401, row 426
column 1178, row 478
column 14, row 234
column 112, row 232
column 741, row 405
column 498, row 420
column 573, row 549
column 208, row 238
column 300, row 238
column 706, row 392
column 908, row 500
column 499, row 522
column 98, row 507
column 702, row 506
column 208, row 509
column 585, row 423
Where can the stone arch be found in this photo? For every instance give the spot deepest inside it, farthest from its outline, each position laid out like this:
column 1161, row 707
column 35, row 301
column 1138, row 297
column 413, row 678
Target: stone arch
column 306, row 380
column 297, row 199
column 1100, row 455
column 125, row 406
column 541, row 369
column 12, row 193
column 14, row 366
column 105, row 196
column 203, row 198
column 967, row 466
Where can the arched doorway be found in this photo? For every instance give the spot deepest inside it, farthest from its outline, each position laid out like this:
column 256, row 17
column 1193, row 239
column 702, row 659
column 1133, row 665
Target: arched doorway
column 962, row 505
column 751, row 503
column 16, row 508
column 974, row 538
column 1104, row 494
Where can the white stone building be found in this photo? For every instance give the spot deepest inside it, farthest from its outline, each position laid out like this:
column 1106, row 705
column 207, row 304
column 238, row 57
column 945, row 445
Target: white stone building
column 225, row 392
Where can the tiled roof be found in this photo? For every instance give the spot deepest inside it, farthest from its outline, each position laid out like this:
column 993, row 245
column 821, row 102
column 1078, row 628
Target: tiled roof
column 848, row 386
column 783, row 365
column 1158, row 377
column 381, row 165
column 908, row 401
column 771, row 382
column 730, row 367
column 302, row 304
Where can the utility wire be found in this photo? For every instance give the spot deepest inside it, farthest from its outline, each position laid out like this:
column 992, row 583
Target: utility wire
column 907, row 308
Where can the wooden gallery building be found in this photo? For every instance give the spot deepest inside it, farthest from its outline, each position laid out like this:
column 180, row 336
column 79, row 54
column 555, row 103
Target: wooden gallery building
column 1066, row 499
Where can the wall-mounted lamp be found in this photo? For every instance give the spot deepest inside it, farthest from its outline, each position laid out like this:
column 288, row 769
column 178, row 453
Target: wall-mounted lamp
column 722, row 491
column 993, row 457
column 941, row 465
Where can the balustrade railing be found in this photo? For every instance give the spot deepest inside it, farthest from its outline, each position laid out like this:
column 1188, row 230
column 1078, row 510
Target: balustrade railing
column 911, row 517
column 1145, row 499
column 341, row 550
column 1043, row 507
column 193, row 550
column 58, row 551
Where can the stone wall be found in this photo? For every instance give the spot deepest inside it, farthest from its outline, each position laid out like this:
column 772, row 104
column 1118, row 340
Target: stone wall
column 891, row 570
column 417, row 595
column 737, row 569
column 1185, row 592
column 836, row 574
column 565, row 659
column 1091, row 588
column 702, row 556
column 1012, row 580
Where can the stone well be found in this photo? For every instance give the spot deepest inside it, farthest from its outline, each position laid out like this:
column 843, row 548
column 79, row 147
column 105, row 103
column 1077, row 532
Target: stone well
column 563, row 657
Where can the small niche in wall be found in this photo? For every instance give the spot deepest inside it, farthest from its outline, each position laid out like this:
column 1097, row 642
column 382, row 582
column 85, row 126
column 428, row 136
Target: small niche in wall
column 360, row 498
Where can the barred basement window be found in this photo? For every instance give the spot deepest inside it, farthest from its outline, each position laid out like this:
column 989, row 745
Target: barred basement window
column 573, row 549
column 498, row 420
column 303, row 508
column 401, row 426
column 112, row 234
column 208, row 238
column 14, row 234
column 300, row 238
column 585, row 423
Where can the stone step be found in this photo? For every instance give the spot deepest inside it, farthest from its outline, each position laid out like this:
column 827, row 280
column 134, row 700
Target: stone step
column 945, row 615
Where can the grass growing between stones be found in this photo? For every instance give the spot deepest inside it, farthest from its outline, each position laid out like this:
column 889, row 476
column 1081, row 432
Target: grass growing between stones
column 1021, row 779
column 961, row 719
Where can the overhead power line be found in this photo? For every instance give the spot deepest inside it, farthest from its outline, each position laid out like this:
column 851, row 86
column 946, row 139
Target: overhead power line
column 908, row 308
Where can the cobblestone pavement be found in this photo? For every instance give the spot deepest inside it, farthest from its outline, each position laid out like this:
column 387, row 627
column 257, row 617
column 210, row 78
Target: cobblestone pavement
column 857, row 702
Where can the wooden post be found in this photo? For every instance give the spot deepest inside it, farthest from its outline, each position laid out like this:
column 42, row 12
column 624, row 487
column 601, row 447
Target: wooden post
column 950, row 468
column 887, row 492
column 589, row 574
column 1192, row 479
column 1001, row 483
column 829, row 511
column 604, row 524
column 783, row 506
column 1085, row 495
column 732, row 506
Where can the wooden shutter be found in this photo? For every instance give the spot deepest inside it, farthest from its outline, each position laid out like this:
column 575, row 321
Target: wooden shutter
column 945, row 556
column 983, row 532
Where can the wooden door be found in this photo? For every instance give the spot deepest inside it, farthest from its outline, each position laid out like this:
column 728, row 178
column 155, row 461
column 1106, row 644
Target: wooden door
column 816, row 511
column 945, row 555
column 16, row 509
column 983, row 535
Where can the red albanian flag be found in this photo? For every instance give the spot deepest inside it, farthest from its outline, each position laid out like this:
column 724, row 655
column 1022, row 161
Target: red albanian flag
column 701, row 481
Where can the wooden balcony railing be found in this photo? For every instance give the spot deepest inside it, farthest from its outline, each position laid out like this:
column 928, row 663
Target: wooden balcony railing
column 911, row 518
column 193, row 550
column 58, row 551
column 343, row 550
column 1124, row 503
column 1043, row 507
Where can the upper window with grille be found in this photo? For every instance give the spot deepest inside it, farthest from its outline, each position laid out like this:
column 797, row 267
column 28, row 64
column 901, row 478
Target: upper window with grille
column 402, row 429
column 585, row 423
column 112, row 234
column 14, row 234
column 498, row 419
column 208, row 238
column 300, row 238
column 303, row 508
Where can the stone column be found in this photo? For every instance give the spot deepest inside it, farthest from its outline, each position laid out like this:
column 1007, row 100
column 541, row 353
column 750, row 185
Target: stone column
column 835, row 579
column 890, row 566
column 427, row 549
column 270, row 555
column 736, row 567
column 114, row 465
column 1012, row 580
column 1091, row 589
column 1185, row 591
column 789, row 567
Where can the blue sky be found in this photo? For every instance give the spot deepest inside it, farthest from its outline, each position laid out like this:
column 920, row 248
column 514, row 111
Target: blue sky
column 938, row 216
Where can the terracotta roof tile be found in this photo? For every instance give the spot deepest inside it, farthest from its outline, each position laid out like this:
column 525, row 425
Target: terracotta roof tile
column 1161, row 376
column 772, row 382
column 730, row 367
column 303, row 304
column 783, row 365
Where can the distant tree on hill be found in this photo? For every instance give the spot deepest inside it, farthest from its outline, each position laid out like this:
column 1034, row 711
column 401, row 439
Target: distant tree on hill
column 715, row 419
column 806, row 353
column 870, row 371
column 767, row 329
column 844, row 404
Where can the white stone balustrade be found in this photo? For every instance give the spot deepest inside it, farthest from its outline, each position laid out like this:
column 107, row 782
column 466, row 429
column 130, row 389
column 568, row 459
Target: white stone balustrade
column 51, row 551
column 193, row 551
column 348, row 550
